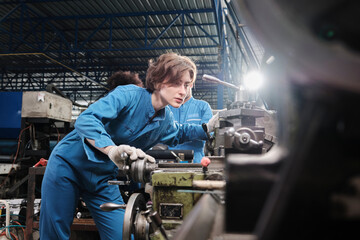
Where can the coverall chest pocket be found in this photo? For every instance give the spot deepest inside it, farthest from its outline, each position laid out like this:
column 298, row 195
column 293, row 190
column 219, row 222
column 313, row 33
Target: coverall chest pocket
column 153, row 136
column 124, row 134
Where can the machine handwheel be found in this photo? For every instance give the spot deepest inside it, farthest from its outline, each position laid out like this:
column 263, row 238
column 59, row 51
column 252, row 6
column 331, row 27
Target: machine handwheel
column 135, row 204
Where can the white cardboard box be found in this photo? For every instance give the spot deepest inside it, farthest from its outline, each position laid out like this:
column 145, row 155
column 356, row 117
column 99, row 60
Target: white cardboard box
column 46, row 105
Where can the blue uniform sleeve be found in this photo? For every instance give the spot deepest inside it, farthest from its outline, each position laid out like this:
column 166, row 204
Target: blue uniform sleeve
column 179, row 133
column 207, row 113
column 91, row 123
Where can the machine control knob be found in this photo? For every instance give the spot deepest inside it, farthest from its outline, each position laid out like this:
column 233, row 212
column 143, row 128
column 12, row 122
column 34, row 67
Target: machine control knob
column 244, row 138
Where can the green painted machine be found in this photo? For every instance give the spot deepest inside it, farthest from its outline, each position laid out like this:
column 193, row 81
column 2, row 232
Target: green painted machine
column 172, row 195
column 171, row 192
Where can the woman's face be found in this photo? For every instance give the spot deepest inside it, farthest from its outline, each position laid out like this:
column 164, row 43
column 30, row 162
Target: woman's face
column 174, row 94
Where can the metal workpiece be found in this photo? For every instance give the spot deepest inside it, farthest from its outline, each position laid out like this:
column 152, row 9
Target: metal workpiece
column 141, row 169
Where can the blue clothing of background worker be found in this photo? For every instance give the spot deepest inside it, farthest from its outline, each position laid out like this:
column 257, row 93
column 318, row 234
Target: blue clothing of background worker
column 128, row 120
column 196, row 112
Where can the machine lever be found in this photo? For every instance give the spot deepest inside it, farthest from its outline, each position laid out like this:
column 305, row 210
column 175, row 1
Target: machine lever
column 107, row 207
column 176, row 156
column 112, row 182
column 206, row 131
column 155, row 218
column 209, row 143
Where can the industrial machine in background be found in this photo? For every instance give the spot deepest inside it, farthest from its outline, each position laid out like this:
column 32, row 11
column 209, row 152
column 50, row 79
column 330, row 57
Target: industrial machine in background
column 32, row 123
column 244, row 127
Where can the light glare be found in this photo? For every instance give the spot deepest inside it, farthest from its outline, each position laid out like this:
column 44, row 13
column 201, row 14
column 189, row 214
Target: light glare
column 253, row 80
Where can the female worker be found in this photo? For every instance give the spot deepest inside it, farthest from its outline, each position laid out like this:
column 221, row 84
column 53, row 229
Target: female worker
column 129, row 119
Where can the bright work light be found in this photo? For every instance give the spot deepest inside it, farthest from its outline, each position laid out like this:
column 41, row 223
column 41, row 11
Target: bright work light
column 253, row 80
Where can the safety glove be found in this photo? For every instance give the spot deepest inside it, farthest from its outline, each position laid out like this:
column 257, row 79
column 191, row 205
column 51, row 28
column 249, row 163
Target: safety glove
column 118, row 155
column 211, row 124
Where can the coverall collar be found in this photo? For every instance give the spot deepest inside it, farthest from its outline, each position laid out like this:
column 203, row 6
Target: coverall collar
column 160, row 115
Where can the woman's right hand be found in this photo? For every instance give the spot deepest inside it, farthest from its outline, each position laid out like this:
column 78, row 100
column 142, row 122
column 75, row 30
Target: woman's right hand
column 116, row 154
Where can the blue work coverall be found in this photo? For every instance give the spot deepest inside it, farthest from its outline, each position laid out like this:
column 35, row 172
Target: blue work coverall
column 76, row 169
column 196, row 112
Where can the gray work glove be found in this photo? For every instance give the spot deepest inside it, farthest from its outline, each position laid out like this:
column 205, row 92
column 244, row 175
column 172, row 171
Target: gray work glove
column 212, row 122
column 116, row 154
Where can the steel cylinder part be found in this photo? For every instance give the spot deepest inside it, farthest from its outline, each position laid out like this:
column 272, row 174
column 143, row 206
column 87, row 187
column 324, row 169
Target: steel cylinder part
column 141, row 169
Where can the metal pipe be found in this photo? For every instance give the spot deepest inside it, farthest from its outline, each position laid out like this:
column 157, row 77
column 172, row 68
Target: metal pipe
column 179, row 165
column 7, row 218
column 207, row 184
column 216, row 80
column 166, row 154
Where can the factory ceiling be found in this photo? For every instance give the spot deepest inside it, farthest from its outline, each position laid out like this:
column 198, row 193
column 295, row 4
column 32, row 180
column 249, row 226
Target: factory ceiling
column 77, row 45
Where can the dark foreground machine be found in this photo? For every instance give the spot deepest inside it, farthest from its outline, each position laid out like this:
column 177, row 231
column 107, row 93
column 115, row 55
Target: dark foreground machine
column 313, row 174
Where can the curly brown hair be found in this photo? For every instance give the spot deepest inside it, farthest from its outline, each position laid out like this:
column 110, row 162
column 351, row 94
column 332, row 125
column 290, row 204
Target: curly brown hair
column 124, row 78
column 170, row 67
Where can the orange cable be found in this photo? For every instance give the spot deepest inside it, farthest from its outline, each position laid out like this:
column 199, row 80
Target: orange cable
column 23, row 230
column 14, row 236
column 17, row 152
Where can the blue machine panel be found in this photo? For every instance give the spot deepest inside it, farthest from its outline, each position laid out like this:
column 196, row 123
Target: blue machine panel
column 10, row 114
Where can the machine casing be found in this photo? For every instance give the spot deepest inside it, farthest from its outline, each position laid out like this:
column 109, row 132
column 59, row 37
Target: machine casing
column 46, row 105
